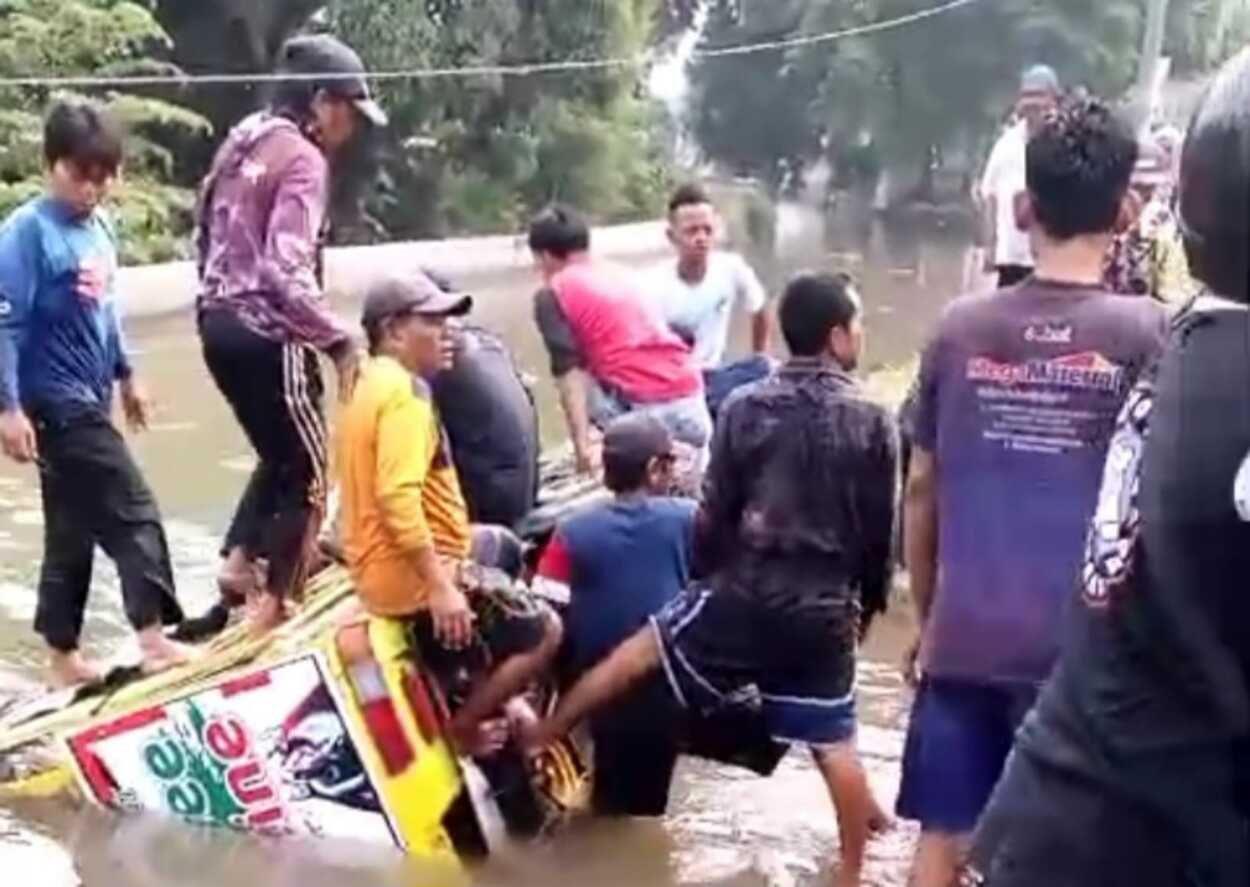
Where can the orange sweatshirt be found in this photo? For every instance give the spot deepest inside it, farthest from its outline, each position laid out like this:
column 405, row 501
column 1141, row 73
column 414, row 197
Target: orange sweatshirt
column 398, row 485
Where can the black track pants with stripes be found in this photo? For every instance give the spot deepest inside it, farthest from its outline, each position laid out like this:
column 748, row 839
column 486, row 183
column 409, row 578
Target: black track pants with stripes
column 275, row 390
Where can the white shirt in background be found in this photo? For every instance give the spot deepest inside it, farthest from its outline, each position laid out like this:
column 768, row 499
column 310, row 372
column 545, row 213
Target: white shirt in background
column 703, row 311
column 1004, row 179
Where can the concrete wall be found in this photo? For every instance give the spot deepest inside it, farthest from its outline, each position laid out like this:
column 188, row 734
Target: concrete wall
column 154, row 290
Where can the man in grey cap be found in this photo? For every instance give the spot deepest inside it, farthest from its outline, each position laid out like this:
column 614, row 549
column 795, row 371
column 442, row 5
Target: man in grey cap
column 618, row 564
column 405, row 526
column 1007, row 250
column 262, row 314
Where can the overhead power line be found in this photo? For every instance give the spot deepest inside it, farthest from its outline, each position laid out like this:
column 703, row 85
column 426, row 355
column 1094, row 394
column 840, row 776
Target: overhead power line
column 516, row 70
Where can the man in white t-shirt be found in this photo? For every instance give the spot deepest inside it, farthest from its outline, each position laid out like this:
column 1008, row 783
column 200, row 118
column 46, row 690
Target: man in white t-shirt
column 1008, row 251
column 697, row 295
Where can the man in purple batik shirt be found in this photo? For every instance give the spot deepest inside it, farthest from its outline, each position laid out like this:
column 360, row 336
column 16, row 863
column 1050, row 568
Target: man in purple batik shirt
column 1017, row 400
column 263, row 317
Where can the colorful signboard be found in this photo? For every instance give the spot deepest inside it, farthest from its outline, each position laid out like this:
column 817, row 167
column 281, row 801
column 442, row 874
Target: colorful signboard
column 268, row 752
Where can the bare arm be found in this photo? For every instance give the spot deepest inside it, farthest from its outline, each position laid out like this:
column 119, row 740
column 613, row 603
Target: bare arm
column 920, row 516
column 573, row 389
column 761, row 330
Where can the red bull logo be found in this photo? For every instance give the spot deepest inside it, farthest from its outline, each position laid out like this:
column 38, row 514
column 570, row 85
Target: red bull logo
column 1088, row 370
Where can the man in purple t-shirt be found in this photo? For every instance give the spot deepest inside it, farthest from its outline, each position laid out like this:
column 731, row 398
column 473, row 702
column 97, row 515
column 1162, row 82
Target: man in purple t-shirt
column 1019, row 392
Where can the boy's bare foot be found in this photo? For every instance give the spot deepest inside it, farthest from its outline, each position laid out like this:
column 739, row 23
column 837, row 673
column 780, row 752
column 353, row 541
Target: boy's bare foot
column 158, row 653
column 879, row 821
column 71, row 669
column 847, row 878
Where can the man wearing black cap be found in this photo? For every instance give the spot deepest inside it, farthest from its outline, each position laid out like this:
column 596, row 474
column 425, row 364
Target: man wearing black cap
column 405, row 526
column 262, row 313
column 619, row 564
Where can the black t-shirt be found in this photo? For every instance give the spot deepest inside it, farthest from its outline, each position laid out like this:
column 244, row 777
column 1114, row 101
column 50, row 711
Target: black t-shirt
column 1152, row 692
column 493, row 427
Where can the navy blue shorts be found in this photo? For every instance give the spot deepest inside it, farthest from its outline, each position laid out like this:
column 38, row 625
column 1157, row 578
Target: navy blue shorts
column 726, row 652
column 957, row 743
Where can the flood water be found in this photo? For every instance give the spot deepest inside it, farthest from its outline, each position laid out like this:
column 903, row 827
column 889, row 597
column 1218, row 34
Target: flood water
column 724, row 828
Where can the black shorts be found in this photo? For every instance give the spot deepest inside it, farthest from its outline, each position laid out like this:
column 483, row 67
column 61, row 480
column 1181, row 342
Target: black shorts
column 1046, row 827
column 726, row 652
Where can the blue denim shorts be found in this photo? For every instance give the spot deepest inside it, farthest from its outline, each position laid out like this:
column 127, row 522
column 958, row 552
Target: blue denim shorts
column 957, row 743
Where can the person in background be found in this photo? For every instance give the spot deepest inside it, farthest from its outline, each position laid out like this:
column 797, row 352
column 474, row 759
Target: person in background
column 491, row 420
column 697, row 295
column 610, row 351
column 1148, row 258
column 263, row 317
column 794, row 538
column 1008, row 252
column 1018, row 396
column 1134, row 768
column 618, row 564
column 62, row 354
column 406, row 531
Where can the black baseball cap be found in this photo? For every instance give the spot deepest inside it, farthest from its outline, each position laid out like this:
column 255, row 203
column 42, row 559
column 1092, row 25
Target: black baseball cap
column 632, row 441
column 413, row 293
column 323, row 54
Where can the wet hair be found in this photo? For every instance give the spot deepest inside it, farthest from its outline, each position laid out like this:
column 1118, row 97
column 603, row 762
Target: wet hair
column 560, row 231
column 812, row 306
column 1078, row 168
column 688, row 195
column 1215, row 183
column 84, row 133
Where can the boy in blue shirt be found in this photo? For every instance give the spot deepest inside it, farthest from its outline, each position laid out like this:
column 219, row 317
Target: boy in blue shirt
column 61, row 353
column 620, row 563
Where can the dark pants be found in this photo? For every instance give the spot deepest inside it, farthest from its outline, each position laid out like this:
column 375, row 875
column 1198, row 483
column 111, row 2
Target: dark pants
column 275, row 390
column 93, row 494
column 637, row 742
column 1010, row 275
column 723, row 381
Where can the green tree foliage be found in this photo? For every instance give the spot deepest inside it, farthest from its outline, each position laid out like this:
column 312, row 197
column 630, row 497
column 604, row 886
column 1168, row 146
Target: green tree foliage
column 480, row 153
column 937, row 89
column 74, row 37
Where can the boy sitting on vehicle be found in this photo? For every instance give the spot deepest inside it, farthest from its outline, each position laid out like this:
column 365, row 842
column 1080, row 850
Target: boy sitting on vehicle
column 406, row 532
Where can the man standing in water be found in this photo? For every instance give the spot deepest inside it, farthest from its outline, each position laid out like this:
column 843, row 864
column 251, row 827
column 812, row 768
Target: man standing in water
column 610, row 351
column 1017, row 399
column 698, row 292
column 1133, row 768
column 1008, row 252
column 794, row 537
column 61, row 354
column 262, row 314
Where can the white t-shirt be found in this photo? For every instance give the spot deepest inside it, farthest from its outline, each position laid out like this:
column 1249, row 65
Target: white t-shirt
column 702, row 311
column 1004, row 179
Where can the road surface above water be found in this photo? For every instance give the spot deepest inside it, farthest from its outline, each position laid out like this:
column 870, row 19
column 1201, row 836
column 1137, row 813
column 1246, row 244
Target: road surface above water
column 724, row 828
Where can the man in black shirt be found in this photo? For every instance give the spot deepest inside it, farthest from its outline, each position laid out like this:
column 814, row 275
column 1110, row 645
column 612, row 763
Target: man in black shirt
column 1132, row 768
column 794, row 538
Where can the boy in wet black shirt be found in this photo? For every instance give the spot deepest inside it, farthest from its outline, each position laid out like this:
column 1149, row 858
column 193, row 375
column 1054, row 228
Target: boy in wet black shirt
column 794, row 538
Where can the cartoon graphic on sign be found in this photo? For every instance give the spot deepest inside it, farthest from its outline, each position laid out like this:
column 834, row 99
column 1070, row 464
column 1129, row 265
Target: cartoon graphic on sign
column 268, row 753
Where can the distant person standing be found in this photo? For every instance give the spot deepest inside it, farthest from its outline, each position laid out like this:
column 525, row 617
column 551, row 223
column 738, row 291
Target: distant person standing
column 698, row 293
column 1008, row 252
column 611, row 353
column 1017, row 400
column 262, row 314
column 62, row 353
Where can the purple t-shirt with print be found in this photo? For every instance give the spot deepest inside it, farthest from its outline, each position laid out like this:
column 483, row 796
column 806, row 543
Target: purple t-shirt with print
column 1019, row 392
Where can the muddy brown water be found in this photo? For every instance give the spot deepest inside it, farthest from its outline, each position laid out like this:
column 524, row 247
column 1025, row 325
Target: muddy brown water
column 724, row 828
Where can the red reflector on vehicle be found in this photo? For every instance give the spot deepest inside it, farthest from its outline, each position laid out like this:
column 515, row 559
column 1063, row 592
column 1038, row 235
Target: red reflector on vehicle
column 424, row 708
column 388, row 735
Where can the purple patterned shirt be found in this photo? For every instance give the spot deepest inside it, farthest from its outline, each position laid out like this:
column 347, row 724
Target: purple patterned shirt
column 260, row 217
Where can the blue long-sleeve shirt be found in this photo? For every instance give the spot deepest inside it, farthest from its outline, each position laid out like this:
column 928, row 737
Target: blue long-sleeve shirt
column 60, row 349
